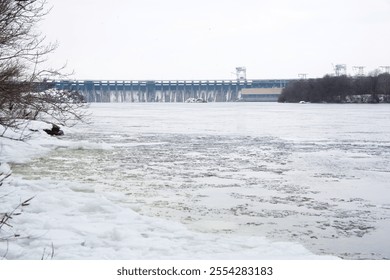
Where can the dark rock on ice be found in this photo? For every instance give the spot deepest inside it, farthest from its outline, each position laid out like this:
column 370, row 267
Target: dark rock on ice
column 54, row 131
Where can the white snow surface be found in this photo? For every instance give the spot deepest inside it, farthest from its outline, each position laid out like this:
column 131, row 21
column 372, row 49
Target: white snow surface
column 83, row 224
column 139, row 182
column 73, row 220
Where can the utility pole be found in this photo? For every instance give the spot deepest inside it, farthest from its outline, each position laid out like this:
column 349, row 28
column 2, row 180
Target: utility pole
column 302, row 76
column 385, row 69
column 340, row 69
column 359, row 70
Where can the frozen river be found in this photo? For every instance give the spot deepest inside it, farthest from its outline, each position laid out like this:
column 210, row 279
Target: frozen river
column 317, row 174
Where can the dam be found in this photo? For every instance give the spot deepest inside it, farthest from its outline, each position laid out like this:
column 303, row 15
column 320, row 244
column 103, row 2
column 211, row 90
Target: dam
column 173, row 90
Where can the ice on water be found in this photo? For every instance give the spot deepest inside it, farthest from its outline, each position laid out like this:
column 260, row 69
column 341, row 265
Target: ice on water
column 216, row 180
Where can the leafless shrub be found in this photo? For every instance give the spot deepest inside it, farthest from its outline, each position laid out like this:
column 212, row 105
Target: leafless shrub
column 22, row 53
column 22, row 99
column 7, row 232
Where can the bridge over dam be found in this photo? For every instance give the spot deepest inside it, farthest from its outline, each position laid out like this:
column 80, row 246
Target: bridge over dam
column 173, row 90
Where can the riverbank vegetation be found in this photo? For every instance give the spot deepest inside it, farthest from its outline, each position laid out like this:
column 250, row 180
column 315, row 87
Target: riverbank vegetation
column 374, row 88
column 23, row 51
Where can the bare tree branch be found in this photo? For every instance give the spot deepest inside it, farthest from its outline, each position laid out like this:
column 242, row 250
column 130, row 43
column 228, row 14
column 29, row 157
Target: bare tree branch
column 22, row 51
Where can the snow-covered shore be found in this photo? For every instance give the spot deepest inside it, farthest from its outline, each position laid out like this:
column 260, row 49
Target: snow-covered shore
column 72, row 220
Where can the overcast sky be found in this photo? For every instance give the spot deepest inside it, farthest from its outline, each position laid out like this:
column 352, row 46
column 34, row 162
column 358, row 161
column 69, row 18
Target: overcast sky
column 207, row 39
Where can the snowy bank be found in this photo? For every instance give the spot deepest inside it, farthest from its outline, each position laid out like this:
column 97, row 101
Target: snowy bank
column 83, row 224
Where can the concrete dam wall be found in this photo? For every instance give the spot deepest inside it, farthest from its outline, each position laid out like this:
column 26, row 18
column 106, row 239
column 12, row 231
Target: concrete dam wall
column 164, row 91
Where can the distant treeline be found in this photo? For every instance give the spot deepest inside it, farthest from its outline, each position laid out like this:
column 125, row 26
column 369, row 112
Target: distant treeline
column 339, row 89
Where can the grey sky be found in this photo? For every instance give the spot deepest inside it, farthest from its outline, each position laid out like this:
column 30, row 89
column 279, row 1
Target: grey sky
column 207, row 39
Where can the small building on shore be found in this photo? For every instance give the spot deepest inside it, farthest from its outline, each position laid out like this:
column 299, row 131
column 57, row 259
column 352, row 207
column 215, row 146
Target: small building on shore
column 260, row 94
